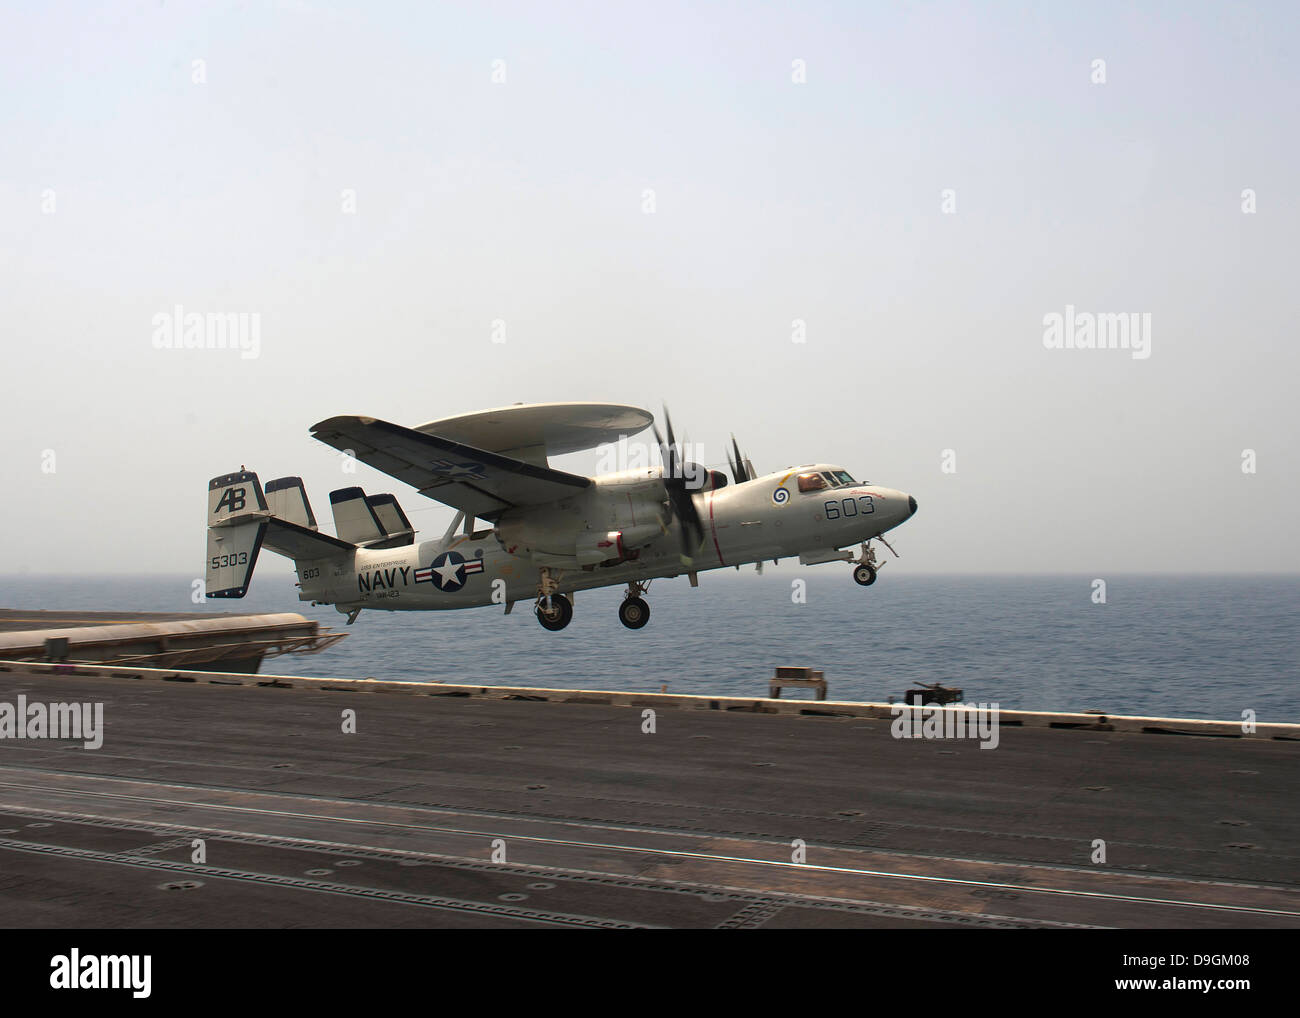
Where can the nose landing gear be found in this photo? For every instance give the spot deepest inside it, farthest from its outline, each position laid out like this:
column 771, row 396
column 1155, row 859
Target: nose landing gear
column 634, row 612
column 866, row 567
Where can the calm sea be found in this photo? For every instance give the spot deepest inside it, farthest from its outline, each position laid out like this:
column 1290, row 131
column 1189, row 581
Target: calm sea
column 1187, row 646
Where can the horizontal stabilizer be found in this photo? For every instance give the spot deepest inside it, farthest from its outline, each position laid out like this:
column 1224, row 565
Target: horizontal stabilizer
column 297, row 542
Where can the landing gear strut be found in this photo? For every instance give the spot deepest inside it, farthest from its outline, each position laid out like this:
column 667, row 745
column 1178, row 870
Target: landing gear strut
column 634, row 612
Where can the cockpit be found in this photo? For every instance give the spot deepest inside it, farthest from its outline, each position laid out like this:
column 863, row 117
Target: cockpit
column 823, row 480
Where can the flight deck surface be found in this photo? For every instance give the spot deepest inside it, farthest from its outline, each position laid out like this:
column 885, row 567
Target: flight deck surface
column 468, row 811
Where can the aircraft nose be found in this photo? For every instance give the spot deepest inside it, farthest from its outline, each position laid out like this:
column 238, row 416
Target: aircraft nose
column 911, row 504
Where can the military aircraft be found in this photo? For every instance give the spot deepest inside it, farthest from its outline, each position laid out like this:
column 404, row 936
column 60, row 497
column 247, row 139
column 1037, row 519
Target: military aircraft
column 550, row 532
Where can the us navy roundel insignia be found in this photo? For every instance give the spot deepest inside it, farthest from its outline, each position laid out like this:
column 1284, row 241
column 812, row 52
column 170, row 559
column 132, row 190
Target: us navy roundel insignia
column 448, row 571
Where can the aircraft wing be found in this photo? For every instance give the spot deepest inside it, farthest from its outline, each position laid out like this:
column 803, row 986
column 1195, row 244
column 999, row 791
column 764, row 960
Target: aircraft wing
column 475, row 481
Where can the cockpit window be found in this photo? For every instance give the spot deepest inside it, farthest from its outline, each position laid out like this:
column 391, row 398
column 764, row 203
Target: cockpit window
column 812, row 482
column 844, row 477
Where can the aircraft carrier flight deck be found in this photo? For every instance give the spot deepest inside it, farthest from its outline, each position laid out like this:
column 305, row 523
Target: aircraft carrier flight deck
column 220, row 800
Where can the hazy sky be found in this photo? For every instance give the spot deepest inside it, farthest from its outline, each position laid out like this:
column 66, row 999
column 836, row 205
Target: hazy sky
column 644, row 206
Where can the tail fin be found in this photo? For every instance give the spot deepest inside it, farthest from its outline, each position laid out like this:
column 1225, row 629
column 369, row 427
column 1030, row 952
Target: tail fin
column 287, row 499
column 371, row 521
column 396, row 526
column 354, row 519
column 242, row 519
column 237, row 519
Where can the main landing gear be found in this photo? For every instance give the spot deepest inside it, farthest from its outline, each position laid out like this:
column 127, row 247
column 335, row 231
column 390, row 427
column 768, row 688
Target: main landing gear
column 554, row 611
column 634, row 612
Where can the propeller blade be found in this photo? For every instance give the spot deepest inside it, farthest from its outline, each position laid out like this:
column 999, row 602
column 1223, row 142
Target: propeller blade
column 671, row 464
column 681, row 504
column 692, row 529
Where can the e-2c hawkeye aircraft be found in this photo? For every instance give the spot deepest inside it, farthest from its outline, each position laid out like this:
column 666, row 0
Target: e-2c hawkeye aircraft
column 552, row 533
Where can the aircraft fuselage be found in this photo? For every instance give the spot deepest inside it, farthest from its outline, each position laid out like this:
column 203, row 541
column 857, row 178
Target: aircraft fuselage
column 762, row 519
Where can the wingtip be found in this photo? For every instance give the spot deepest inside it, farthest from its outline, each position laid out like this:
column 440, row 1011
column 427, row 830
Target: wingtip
column 336, row 421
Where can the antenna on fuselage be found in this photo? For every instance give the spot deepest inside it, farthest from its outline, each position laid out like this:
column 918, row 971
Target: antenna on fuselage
column 742, row 469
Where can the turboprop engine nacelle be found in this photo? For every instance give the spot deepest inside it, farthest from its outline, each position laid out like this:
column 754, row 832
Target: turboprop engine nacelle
column 594, row 549
column 549, row 538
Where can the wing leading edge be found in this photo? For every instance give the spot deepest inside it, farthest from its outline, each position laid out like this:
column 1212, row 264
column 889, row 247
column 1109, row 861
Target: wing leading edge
column 475, row 481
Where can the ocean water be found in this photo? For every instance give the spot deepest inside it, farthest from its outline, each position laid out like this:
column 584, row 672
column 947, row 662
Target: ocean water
column 1183, row 646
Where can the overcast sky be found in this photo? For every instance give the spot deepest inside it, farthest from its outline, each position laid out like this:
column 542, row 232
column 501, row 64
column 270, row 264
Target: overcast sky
column 441, row 208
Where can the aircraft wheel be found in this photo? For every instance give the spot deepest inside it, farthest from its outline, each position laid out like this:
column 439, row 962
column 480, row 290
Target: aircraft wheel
column 634, row 613
column 864, row 576
column 560, row 615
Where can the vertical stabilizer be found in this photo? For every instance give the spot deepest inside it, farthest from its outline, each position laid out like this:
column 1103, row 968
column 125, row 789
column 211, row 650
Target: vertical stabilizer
column 237, row 515
column 287, row 499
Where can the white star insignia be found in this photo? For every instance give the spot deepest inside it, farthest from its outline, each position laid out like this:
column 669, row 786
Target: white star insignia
column 449, row 571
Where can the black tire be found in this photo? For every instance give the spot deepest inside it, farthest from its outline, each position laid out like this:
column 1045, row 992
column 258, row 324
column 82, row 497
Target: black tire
column 561, row 613
column 864, row 576
column 634, row 612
